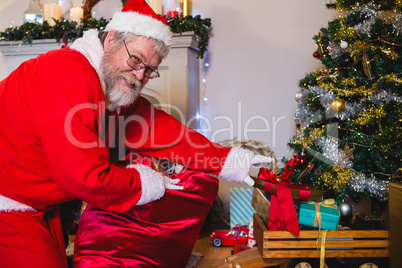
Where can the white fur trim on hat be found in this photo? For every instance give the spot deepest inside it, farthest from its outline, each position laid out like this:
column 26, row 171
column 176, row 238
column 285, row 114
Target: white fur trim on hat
column 152, row 184
column 9, row 205
column 136, row 23
column 237, row 165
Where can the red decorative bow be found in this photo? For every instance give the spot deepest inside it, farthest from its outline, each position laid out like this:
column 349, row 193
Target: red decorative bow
column 282, row 205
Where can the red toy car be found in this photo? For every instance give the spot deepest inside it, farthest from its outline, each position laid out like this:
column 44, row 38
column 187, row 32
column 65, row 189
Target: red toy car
column 237, row 236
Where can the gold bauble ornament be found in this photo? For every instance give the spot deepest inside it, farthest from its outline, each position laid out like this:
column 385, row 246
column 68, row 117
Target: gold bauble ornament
column 338, row 105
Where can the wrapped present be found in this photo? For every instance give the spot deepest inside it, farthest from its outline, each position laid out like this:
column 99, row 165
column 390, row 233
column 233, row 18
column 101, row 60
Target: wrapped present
column 251, row 241
column 267, row 180
column 323, row 215
column 241, row 210
column 261, row 201
column 282, row 215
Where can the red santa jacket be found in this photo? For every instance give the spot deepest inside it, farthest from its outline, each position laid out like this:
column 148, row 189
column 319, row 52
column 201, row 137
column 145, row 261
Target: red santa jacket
column 52, row 110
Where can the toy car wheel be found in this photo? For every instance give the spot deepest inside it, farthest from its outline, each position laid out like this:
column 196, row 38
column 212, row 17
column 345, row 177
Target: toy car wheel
column 370, row 263
column 301, row 263
column 217, row 242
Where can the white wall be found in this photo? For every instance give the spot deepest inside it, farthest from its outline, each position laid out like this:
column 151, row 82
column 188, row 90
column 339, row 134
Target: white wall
column 258, row 52
column 12, row 12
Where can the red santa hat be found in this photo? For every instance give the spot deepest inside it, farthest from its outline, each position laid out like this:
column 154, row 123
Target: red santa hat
column 137, row 17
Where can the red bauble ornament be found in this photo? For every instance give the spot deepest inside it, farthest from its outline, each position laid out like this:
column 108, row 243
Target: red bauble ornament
column 315, row 54
column 301, row 161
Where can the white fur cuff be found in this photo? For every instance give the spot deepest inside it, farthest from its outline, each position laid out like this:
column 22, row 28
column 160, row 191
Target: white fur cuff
column 152, row 183
column 9, row 205
column 237, row 165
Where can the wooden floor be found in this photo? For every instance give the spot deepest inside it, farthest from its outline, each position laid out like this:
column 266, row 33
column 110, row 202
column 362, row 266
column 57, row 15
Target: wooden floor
column 212, row 256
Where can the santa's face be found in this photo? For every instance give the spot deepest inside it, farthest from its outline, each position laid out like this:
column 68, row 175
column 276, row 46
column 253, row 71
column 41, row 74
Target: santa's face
column 123, row 83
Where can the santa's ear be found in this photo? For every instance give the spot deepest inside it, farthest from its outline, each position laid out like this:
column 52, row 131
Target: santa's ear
column 109, row 40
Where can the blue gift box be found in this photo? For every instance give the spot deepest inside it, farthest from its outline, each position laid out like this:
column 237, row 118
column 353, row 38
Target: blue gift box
column 241, row 211
column 329, row 215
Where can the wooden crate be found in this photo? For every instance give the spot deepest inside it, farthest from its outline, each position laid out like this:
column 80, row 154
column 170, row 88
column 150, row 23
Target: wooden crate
column 344, row 244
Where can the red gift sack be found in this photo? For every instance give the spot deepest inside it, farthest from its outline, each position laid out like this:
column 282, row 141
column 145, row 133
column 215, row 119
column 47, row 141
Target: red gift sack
column 159, row 234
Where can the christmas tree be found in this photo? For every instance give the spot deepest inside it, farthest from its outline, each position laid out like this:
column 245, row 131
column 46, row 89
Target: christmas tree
column 348, row 115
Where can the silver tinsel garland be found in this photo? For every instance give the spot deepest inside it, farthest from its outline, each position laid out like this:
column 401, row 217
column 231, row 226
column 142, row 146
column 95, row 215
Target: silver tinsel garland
column 364, row 27
column 302, row 114
column 370, row 13
column 334, row 50
column 382, row 96
column 331, row 151
column 305, row 117
column 375, row 187
column 397, row 24
column 360, row 182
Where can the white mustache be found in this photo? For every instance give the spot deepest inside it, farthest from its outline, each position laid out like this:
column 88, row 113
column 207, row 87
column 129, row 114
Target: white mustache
column 132, row 81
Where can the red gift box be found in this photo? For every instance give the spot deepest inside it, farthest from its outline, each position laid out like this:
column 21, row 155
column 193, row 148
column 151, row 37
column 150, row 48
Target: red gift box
column 283, row 192
column 172, row 13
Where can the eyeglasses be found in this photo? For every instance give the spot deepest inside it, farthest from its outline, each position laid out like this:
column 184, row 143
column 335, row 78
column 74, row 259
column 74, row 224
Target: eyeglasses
column 136, row 64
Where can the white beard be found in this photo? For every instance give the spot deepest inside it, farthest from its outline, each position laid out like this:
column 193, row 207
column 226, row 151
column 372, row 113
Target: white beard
column 118, row 97
column 116, row 94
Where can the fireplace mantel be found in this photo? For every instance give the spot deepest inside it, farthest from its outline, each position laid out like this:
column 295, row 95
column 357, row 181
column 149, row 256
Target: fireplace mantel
column 176, row 91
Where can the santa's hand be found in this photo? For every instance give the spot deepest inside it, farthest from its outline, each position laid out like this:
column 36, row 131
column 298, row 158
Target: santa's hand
column 238, row 164
column 153, row 184
column 171, row 184
column 258, row 161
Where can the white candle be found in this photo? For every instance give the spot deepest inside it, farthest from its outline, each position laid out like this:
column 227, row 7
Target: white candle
column 51, row 11
column 76, row 14
column 156, row 5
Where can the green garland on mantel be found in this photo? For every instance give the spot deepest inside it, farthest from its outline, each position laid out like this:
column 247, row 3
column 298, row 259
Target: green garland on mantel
column 68, row 31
